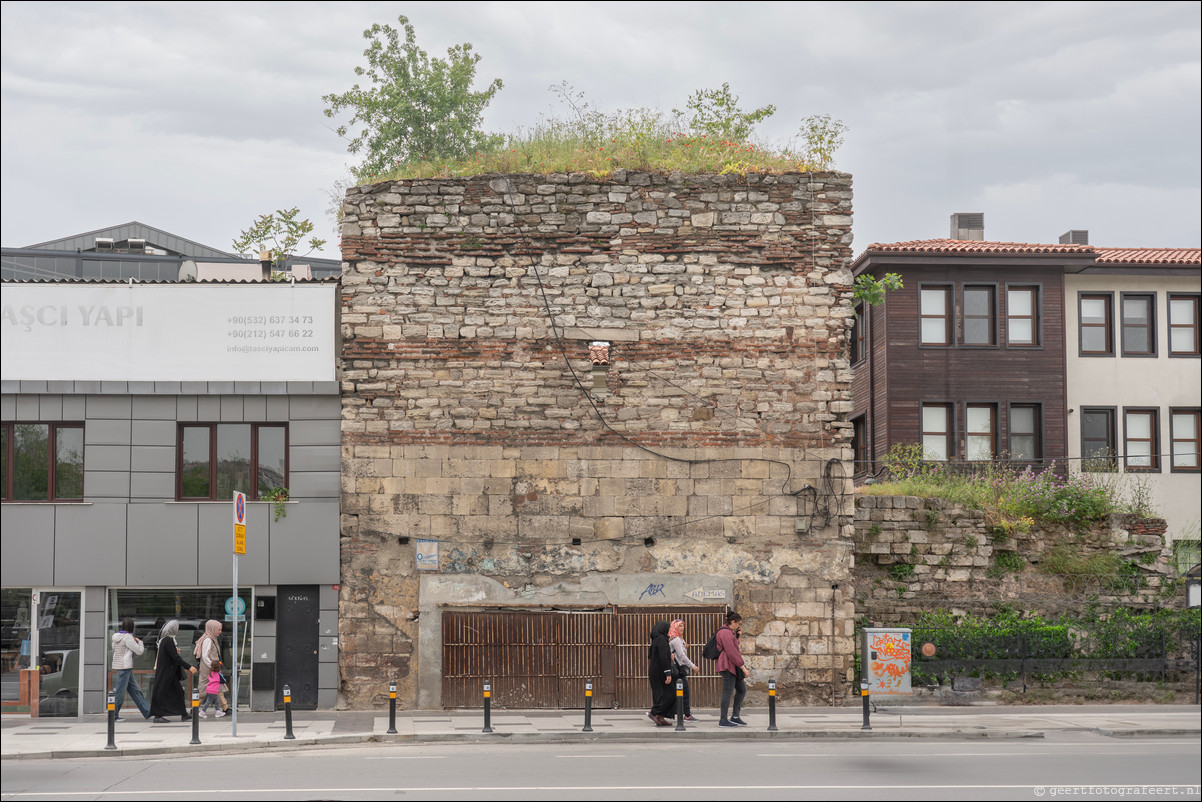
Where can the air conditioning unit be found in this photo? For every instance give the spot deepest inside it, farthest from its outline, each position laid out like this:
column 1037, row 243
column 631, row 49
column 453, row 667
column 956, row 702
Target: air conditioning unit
column 968, row 226
column 1075, row 236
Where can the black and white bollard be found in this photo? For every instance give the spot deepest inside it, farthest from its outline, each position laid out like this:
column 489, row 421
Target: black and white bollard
column 288, row 736
column 112, row 707
column 588, row 706
column 680, row 705
column 487, row 707
column 772, row 705
column 392, row 708
column 864, row 695
column 195, row 717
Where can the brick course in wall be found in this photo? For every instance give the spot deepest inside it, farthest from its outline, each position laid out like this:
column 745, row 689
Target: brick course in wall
column 473, row 414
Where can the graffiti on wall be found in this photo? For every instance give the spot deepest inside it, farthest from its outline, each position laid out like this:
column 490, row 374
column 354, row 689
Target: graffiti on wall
column 888, row 663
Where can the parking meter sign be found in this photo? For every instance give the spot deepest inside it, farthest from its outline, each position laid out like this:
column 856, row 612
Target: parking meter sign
column 239, row 523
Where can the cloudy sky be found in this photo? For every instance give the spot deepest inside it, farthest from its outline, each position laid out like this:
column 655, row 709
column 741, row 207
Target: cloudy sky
column 197, row 117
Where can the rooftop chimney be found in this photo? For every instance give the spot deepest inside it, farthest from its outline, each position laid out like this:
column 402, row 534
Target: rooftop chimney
column 968, row 226
column 1075, row 236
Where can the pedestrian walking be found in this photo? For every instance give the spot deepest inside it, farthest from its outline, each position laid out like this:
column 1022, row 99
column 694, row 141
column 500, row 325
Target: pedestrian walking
column 125, row 648
column 167, row 694
column 659, row 674
column 732, row 669
column 680, row 658
column 208, row 659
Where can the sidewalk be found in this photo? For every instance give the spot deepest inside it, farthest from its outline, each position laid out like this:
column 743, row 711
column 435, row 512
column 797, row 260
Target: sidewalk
column 86, row 736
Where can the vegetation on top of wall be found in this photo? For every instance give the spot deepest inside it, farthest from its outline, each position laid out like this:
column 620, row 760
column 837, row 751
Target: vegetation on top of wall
column 1012, row 498
column 419, row 117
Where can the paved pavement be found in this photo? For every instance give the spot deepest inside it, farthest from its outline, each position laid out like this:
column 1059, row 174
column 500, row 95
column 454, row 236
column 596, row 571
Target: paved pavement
column 86, row 736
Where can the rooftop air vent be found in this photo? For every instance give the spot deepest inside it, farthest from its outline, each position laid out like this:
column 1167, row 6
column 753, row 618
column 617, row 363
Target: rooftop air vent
column 136, row 245
column 104, row 243
column 968, row 226
column 1075, row 236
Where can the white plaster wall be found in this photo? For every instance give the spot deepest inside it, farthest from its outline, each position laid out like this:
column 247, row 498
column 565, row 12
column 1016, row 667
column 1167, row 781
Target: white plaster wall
column 1161, row 382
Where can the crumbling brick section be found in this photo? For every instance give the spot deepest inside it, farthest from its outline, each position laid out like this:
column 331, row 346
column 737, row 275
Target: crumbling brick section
column 472, row 414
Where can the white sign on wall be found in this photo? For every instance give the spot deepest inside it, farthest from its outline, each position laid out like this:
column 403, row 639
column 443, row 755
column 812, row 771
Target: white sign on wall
column 427, row 555
column 167, row 332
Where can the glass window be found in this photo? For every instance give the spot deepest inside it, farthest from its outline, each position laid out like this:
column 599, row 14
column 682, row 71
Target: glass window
column 1139, row 325
column 217, row 459
column 859, row 445
column 857, row 334
column 937, row 431
column 978, row 316
column 1183, row 325
column 1097, row 439
column 936, row 315
column 1184, row 431
column 980, row 428
column 1022, row 316
column 1025, row 443
column 43, row 462
column 1140, row 440
column 1095, row 325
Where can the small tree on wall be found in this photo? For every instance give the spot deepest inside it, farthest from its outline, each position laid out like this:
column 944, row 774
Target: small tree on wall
column 280, row 233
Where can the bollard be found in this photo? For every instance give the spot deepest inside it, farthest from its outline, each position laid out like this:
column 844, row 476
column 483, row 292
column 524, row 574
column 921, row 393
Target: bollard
column 864, row 694
column 112, row 706
column 772, row 705
column 487, row 707
column 288, row 736
column 392, row 708
column 195, row 717
column 680, row 706
column 588, row 706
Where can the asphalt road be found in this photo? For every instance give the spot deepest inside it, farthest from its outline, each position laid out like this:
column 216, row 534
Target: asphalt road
column 1066, row 764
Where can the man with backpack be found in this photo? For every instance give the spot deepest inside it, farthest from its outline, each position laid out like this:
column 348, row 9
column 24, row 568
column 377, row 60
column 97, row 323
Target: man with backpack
column 731, row 668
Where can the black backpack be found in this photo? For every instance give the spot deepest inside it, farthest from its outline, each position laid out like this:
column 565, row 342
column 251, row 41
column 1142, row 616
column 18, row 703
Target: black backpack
column 711, row 650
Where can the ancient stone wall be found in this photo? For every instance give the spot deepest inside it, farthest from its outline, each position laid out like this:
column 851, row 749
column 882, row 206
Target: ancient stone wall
column 709, row 439
column 915, row 555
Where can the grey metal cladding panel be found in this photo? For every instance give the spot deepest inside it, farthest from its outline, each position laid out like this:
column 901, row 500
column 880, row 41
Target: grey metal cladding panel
column 74, row 407
column 231, row 408
column 304, row 545
column 28, row 408
column 33, row 387
column 274, row 388
column 208, row 409
column 159, row 459
column 314, row 484
column 247, row 388
column 315, row 407
column 95, row 601
column 300, row 388
column 327, row 650
column 315, row 432
column 107, row 458
column 328, row 599
column 167, row 388
column 327, row 623
column 26, row 544
column 216, row 544
column 89, row 544
column 50, row 407
column 277, row 408
column 8, row 407
column 105, row 485
column 154, row 407
column 314, row 458
column 254, row 409
column 151, row 486
column 163, row 544
column 194, row 388
column 119, row 407
column 327, row 698
column 155, row 432
column 186, row 409
column 85, row 387
column 107, row 432
column 220, row 388
column 10, row 386
column 264, row 646
column 141, row 388
column 63, row 387
column 327, row 388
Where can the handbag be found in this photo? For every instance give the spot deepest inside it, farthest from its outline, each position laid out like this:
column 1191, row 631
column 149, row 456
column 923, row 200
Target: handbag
column 682, row 671
column 221, row 678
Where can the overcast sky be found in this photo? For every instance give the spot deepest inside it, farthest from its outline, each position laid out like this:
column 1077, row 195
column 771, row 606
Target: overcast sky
column 197, row 117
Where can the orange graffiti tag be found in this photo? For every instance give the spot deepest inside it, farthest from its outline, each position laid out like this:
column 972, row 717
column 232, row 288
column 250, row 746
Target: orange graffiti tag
column 889, row 648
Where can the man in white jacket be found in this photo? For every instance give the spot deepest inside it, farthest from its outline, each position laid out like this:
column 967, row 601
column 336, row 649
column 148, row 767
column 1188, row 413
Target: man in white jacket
column 125, row 646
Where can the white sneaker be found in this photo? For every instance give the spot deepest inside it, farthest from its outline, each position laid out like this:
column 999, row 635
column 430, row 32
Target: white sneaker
column 219, row 714
column 203, row 714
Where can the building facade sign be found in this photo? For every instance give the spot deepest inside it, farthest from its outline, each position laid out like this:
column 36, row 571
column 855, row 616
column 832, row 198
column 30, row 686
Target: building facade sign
column 179, row 332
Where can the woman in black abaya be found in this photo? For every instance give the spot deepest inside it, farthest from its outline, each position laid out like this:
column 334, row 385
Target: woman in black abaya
column 167, row 693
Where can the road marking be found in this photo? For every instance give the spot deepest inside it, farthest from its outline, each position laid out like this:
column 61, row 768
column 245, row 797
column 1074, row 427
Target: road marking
column 409, row 757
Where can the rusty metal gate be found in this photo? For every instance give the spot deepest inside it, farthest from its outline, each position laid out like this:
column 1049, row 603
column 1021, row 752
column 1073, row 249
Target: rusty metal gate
column 541, row 658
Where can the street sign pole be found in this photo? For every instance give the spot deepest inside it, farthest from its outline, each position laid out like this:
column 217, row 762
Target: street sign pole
column 239, row 548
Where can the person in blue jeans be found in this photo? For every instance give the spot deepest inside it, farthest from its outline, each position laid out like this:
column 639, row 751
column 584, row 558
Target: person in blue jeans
column 125, row 647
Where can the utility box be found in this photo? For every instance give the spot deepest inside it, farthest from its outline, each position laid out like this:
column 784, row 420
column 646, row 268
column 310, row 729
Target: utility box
column 885, row 656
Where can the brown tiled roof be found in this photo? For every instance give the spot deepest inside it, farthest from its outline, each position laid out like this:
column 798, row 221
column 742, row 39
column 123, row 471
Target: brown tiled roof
column 1149, row 256
column 971, row 246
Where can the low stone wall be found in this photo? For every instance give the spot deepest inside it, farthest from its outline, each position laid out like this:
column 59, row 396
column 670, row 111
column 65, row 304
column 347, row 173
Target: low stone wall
column 917, row 554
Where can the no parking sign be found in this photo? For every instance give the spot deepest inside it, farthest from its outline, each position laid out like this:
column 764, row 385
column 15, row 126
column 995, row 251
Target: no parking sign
column 239, row 523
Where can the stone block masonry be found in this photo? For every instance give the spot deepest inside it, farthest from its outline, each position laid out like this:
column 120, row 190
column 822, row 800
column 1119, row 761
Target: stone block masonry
column 474, row 416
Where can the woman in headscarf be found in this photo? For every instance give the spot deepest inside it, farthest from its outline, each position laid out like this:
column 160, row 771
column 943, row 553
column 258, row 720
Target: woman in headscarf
column 208, row 657
column 167, row 693
column 659, row 674
column 684, row 666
